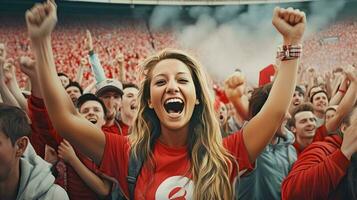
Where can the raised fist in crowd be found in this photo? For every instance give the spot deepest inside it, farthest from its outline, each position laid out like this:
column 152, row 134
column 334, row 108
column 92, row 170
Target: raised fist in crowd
column 41, row 19
column 290, row 23
column 27, row 66
column 234, row 85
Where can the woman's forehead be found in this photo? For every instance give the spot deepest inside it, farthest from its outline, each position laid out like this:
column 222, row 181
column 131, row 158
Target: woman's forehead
column 170, row 66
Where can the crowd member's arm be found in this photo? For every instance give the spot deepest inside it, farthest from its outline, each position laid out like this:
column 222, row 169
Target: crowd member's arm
column 120, row 61
column 347, row 102
column 15, row 89
column 27, row 85
column 291, row 25
column 301, row 75
column 27, row 66
column 336, row 99
column 310, row 80
column 99, row 185
column 79, row 75
column 5, row 93
column 90, row 87
column 336, row 83
column 234, row 88
column 328, row 84
column 93, row 59
column 316, row 172
column 43, row 132
column 90, row 140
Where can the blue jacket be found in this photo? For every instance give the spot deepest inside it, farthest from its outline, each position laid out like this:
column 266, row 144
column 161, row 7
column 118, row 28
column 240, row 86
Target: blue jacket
column 36, row 179
column 271, row 167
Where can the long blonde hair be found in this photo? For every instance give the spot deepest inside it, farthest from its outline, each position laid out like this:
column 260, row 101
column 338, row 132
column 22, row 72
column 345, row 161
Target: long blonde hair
column 211, row 164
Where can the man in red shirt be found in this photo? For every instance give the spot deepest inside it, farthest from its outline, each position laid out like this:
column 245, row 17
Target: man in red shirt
column 76, row 186
column 327, row 169
column 304, row 122
column 110, row 91
column 129, row 108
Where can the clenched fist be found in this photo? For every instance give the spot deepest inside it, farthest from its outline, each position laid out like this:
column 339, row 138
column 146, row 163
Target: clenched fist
column 41, row 19
column 88, row 42
column 234, row 86
column 290, row 23
column 27, row 66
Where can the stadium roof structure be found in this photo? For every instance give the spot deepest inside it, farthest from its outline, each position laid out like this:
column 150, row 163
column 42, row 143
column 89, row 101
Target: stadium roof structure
column 191, row 2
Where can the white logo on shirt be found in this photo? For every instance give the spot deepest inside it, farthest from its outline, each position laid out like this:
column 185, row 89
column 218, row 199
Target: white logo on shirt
column 175, row 188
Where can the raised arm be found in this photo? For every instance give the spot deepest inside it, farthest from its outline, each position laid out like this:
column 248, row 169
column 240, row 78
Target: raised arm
column 90, row 87
column 43, row 133
column 336, row 99
column 234, row 87
column 261, row 128
column 27, row 66
column 93, row 59
column 5, row 93
column 347, row 102
column 119, row 59
column 90, row 140
column 328, row 84
column 79, row 75
column 15, row 89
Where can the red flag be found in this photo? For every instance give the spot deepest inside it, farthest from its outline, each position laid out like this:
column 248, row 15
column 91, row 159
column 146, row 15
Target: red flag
column 266, row 75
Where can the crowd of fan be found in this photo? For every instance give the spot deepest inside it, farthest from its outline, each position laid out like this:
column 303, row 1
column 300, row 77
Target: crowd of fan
column 330, row 48
column 108, row 54
column 334, row 46
column 129, row 37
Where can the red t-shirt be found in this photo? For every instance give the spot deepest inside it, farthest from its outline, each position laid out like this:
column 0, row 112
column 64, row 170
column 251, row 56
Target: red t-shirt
column 317, row 172
column 320, row 135
column 171, row 179
column 43, row 131
column 76, row 188
column 117, row 128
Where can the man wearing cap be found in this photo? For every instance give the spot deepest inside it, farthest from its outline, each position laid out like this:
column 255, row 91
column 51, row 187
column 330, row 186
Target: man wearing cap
column 110, row 91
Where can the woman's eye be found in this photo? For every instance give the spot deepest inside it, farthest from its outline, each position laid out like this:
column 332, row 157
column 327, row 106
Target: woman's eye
column 183, row 80
column 160, row 82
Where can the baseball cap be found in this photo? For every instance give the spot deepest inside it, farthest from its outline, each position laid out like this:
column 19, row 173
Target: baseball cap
column 299, row 89
column 109, row 85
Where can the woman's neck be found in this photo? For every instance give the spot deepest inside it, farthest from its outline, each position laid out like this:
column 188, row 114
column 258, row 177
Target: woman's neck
column 174, row 138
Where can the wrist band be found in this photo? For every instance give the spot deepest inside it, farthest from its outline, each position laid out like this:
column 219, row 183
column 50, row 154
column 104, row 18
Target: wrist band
column 289, row 52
